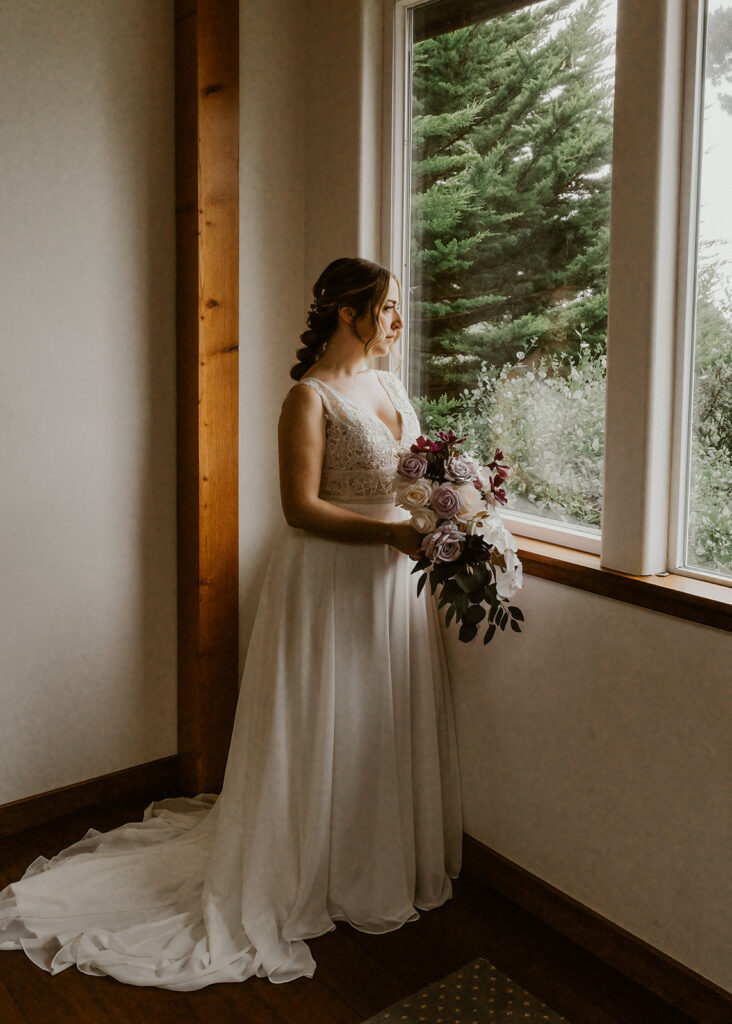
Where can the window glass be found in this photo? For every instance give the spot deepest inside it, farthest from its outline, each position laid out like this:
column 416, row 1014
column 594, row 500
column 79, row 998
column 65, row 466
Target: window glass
column 509, row 214
column 709, row 537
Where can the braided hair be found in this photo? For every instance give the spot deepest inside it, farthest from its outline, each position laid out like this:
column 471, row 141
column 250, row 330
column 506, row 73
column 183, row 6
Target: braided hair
column 348, row 281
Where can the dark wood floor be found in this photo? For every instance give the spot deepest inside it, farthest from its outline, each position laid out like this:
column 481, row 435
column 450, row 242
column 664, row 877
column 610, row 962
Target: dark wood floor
column 357, row 975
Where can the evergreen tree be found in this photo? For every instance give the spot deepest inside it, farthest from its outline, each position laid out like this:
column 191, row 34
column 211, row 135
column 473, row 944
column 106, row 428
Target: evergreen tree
column 511, row 147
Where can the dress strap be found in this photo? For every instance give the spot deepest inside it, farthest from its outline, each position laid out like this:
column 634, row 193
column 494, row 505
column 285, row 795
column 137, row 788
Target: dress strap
column 394, row 388
column 325, row 397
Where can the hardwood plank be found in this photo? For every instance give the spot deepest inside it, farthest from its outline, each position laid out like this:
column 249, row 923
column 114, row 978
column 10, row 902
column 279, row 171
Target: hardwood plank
column 9, row 1009
column 207, row 304
column 304, row 999
column 346, row 968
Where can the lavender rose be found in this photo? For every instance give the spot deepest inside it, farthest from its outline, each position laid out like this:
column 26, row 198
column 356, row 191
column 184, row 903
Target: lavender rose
column 460, row 469
column 445, row 501
column 413, row 466
column 445, row 544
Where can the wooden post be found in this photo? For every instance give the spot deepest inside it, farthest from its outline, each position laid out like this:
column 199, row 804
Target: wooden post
column 207, row 220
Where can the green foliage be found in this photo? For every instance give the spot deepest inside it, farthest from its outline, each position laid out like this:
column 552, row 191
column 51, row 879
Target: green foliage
column 511, row 134
column 719, row 53
column 710, row 504
column 469, row 597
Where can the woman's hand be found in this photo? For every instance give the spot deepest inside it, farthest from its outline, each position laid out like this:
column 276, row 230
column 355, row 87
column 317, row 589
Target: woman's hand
column 405, row 538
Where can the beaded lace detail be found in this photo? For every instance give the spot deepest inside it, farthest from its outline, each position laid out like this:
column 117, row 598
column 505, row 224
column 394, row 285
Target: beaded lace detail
column 360, row 450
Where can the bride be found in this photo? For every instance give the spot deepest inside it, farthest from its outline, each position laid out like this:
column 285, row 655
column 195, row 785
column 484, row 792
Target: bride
column 341, row 796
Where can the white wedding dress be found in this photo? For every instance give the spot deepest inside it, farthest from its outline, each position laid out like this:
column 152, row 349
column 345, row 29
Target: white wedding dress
column 341, row 798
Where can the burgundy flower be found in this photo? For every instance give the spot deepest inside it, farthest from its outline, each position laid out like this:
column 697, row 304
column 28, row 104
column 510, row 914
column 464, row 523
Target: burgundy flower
column 422, row 444
column 476, row 549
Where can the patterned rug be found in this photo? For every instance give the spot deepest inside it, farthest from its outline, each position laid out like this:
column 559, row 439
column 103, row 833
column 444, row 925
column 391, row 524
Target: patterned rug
column 476, row 994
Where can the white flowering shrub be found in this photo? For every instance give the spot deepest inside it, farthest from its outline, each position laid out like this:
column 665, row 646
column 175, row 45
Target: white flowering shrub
column 547, row 414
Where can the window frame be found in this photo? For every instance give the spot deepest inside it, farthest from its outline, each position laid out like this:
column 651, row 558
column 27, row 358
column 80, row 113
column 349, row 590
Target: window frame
column 657, row 110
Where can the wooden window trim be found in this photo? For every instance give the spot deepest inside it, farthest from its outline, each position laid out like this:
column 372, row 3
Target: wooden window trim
column 681, row 596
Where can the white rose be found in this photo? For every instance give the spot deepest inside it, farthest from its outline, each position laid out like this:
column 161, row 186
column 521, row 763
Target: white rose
column 424, row 520
column 471, row 503
column 414, row 493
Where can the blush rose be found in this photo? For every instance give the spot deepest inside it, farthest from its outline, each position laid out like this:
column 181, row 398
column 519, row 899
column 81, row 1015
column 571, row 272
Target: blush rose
column 414, row 493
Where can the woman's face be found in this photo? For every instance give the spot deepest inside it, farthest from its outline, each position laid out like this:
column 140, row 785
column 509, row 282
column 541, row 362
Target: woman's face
column 389, row 320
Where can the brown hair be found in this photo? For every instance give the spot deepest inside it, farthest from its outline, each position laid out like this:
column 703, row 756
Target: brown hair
column 359, row 284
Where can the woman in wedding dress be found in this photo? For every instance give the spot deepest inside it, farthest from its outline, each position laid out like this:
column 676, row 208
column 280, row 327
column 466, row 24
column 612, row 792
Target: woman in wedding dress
column 341, row 796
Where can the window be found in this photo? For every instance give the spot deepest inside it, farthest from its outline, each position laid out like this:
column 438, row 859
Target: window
column 510, row 150
column 515, row 123
column 705, row 495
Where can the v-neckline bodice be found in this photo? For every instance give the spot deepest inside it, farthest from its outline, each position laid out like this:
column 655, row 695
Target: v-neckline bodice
column 365, row 409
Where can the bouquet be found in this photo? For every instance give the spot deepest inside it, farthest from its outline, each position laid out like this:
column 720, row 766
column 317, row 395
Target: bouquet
column 467, row 551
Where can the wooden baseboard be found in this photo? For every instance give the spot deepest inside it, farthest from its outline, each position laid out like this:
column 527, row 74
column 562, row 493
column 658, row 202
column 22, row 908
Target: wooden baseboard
column 679, row 986
column 149, row 781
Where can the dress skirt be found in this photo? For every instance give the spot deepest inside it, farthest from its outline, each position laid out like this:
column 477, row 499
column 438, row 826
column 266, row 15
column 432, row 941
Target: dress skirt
column 341, row 798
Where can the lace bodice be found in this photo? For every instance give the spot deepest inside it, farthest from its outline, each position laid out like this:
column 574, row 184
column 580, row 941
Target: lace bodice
column 360, row 450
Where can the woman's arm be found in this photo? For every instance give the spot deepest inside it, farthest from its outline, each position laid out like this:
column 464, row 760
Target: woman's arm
column 301, row 449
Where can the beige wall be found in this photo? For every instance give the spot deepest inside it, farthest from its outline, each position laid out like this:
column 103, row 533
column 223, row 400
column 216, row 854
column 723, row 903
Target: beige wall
column 594, row 751
column 272, row 198
column 593, row 746
column 87, row 401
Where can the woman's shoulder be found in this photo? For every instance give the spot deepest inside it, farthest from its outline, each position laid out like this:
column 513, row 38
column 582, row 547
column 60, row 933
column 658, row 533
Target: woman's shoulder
column 303, row 393
column 308, row 396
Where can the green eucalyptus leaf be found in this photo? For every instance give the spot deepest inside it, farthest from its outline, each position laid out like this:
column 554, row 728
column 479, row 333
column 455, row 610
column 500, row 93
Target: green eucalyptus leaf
column 489, row 633
column 467, row 633
column 463, row 581
column 474, row 615
column 462, row 603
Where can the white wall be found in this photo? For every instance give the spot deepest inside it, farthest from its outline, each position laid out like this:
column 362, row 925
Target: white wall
column 272, row 243
column 594, row 751
column 87, row 390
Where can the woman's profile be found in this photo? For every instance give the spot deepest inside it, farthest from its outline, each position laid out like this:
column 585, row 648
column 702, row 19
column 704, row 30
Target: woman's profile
column 341, row 796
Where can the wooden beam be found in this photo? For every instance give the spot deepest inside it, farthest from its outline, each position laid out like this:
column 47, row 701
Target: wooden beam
column 207, row 220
